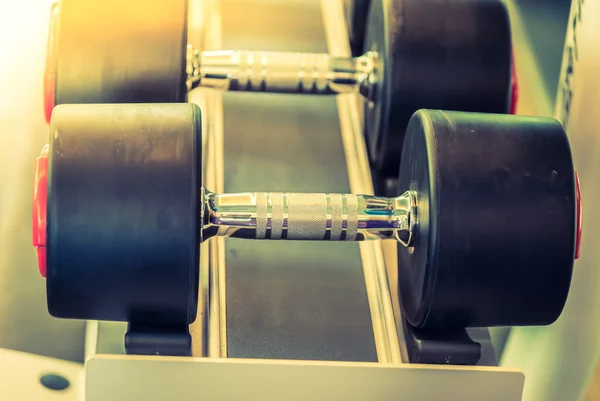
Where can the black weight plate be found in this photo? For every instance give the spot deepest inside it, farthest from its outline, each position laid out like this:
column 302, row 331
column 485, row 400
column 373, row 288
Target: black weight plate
column 356, row 18
column 433, row 54
column 121, row 51
column 496, row 220
column 123, row 212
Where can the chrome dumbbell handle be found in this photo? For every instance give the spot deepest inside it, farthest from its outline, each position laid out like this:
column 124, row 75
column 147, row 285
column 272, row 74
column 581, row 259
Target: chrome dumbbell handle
column 278, row 72
column 309, row 216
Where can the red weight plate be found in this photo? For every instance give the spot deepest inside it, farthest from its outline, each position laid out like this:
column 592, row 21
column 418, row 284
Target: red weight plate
column 40, row 196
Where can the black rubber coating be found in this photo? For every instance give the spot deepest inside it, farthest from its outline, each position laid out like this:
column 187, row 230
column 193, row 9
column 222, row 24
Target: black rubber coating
column 356, row 18
column 121, row 51
column 123, row 212
column 440, row 347
column 433, row 54
column 173, row 340
column 496, row 220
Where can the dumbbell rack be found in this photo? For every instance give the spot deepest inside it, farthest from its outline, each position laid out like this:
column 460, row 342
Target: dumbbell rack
column 302, row 321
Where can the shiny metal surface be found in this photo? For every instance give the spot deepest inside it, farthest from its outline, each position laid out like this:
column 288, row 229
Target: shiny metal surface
column 279, row 72
column 308, row 216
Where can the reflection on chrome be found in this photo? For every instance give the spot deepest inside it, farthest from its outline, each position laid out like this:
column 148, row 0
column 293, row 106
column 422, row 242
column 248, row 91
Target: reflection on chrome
column 309, row 216
column 279, row 72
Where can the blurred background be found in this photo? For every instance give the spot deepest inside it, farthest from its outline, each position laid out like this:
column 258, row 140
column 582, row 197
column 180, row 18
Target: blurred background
column 25, row 324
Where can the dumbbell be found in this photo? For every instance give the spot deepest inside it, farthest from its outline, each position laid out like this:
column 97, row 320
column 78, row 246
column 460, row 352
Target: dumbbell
column 437, row 54
column 486, row 217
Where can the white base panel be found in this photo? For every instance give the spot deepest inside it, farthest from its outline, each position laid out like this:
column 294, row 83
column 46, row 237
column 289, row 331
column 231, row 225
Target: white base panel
column 125, row 378
column 20, row 375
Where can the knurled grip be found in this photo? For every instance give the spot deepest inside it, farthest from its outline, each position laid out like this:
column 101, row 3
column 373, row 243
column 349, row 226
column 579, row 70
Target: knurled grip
column 297, row 216
column 281, row 72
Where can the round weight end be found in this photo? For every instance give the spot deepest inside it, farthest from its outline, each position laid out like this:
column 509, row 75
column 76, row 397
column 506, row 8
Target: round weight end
column 424, row 62
column 123, row 215
column 40, row 196
column 499, row 220
column 113, row 51
column 416, row 265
